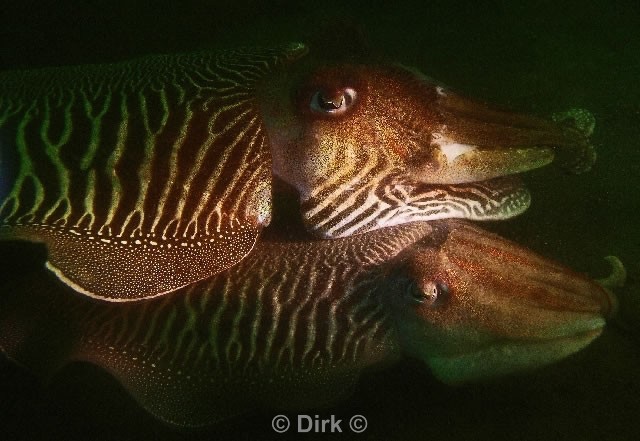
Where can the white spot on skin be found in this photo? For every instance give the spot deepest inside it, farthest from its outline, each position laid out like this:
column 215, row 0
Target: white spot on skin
column 452, row 150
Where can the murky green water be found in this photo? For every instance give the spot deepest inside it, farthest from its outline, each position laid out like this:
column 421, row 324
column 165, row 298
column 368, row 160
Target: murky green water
column 536, row 57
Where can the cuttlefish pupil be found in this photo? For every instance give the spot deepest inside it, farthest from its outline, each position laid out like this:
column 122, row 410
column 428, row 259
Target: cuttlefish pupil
column 429, row 293
column 333, row 102
column 435, row 293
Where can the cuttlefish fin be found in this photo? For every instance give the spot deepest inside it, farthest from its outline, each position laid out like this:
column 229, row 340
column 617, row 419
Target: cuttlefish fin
column 119, row 270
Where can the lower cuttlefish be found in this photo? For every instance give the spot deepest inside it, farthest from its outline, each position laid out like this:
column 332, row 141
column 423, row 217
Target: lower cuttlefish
column 294, row 324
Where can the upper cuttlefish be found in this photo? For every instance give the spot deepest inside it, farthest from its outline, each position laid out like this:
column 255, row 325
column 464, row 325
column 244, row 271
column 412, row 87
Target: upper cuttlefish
column 145, row 176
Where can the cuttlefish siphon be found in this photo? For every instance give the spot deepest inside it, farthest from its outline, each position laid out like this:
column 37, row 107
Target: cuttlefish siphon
column 144, row 176
column 294, row 324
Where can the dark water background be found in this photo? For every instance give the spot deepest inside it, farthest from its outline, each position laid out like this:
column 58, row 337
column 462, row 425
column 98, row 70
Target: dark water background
column 536, row 56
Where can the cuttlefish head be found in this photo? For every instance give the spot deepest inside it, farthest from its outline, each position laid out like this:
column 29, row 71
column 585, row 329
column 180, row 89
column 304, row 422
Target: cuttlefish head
column 374, row 146
column 473, row 305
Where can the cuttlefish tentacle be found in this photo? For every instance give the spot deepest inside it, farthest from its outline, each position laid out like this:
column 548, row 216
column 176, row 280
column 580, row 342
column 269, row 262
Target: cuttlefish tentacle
column 618, row 276
column 628, row 318
column 616, row 279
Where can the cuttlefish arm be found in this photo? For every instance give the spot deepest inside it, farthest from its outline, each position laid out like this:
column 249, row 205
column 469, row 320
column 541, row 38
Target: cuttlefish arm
column 480, row 142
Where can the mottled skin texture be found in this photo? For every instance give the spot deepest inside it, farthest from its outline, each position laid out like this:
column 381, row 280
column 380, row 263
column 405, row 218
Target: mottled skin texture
column 294, row 324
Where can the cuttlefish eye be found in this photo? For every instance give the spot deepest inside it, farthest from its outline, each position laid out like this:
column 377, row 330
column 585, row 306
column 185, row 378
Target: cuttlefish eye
column 334, row 102
column 432, row 293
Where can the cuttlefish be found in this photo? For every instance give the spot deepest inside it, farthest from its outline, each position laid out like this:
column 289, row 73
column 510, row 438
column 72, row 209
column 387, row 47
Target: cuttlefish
column 145, row 176
column 294, row 324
